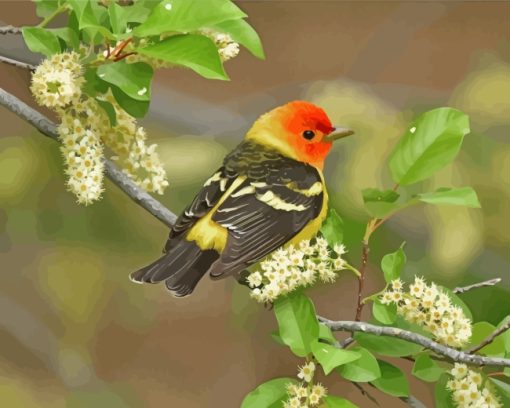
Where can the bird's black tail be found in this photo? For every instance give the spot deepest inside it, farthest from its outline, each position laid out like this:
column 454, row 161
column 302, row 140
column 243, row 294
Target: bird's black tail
column 181, row 267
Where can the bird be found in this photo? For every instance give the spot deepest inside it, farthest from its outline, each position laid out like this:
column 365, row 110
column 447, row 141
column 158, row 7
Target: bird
column 268, row 193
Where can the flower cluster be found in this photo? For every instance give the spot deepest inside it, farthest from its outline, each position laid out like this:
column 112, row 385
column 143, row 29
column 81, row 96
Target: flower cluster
column 306, row 394
column 57, row 81
column 227, row 47
column 293, row 266
column 432, row 309
column 85, row 130
column 469, row 390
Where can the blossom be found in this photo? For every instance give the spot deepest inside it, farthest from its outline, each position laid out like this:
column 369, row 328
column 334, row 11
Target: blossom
column 227, row 47
column 305, row 394
column 307, row 371
column 469, row 389
column 295, row 266
column 432, row 309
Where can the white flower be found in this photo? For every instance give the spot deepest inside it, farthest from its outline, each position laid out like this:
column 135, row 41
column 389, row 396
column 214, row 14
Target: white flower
column 468, row 389
column 307, row 371
column 254, row 279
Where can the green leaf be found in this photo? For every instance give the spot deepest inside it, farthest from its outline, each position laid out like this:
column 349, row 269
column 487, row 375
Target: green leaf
column 69, row 36
column 426, row 369
column 385, row 314
column 44, row 8
column 134, row 107
column 443, row 396
column 325, row 333
column 120, row 16
column 364, row 369
column 393, row 263
column 193, row 51
column 430, row 143
column 464, row 196
column 270, row 394
column 387, row 346
column 93, row 84
column 333, row 228
column 184, row 16
column 503, row 391
column 337, row 402
column 380, row 203
column 331, row 357
column 505, row 335
column 133, row 79
column 297, row 321
column 244, row 34
column 41, row 40
column 110, row 111
column 481, row 330
column 392, row 380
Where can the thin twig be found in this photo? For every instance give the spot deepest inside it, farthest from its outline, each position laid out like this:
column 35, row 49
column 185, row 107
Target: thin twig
column 9, row 29
column 365, row 393
column 490, row 282
column 413, row 402
column 48, row 128
column 16, row 63
column 490, row 338
column 451, row 353
column 361, row 279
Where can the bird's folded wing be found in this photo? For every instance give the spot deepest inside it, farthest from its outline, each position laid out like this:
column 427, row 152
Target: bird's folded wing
column 260, row 218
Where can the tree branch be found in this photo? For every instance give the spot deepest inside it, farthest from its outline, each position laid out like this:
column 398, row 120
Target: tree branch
column 490, row 282
column 451, row 353
column 16, row 63
column 490, row 338
column 9, row 29
column 48, row 128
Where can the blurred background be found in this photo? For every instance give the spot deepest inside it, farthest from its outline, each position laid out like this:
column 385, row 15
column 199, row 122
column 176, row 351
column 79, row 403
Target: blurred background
column 75, row 332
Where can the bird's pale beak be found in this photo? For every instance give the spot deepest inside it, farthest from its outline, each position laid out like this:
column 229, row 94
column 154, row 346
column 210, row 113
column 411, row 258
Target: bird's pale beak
column 338, row 132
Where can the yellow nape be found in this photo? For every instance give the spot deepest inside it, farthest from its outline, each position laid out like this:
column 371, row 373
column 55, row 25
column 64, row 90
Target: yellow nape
column 313, row 227
column 208, row 234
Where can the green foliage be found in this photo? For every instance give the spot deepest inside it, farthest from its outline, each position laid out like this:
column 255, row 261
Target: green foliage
column 190, row 50
column 270, row 394
column 386, row 314
column 134, row 80
column 379, row 203
column 464, row 196
column 503, row 390
column 393, row 263
column 387, row 346
column 442, row 396
column 392, row 380
column 325, row 333
column 426, row 369
column 332, row 228
column 431, row 142
column 331, row 357
column 364, row 369
column 297, row 322
column 480, row 332
column 244, row 34
column 41, row 40
column 337, row 402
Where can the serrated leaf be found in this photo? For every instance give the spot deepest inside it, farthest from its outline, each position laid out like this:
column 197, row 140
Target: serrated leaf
column 41, row 40
column 297, row 321
column 426, row 369
column 270, row 394
column 333, row 228
column 430, row 143
column 184, row 16
column 392, row 264
column 464, row 196
column 481, row 330
column 190, row 50
column 331, row 357
column 442, row 395
column 392, row 380
column 134, row 107
column 332, row 401
column 364, row 369
column 385, row 314
column 387, row 346
column 133, row 79
column 244, row 34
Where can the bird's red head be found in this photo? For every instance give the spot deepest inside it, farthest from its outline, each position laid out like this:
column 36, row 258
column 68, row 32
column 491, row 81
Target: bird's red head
column 300, row 130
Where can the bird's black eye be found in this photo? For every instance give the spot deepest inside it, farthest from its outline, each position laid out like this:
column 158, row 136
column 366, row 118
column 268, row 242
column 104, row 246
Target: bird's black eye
column 309, row 134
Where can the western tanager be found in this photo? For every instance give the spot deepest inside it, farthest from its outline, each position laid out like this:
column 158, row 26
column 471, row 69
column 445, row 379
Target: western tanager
column 269, row 192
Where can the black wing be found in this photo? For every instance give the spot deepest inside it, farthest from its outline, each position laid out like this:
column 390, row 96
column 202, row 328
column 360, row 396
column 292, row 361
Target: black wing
column 276, row 201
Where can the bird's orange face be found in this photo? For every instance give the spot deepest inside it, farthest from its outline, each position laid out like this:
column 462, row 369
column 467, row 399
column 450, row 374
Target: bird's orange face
column 299, row 129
